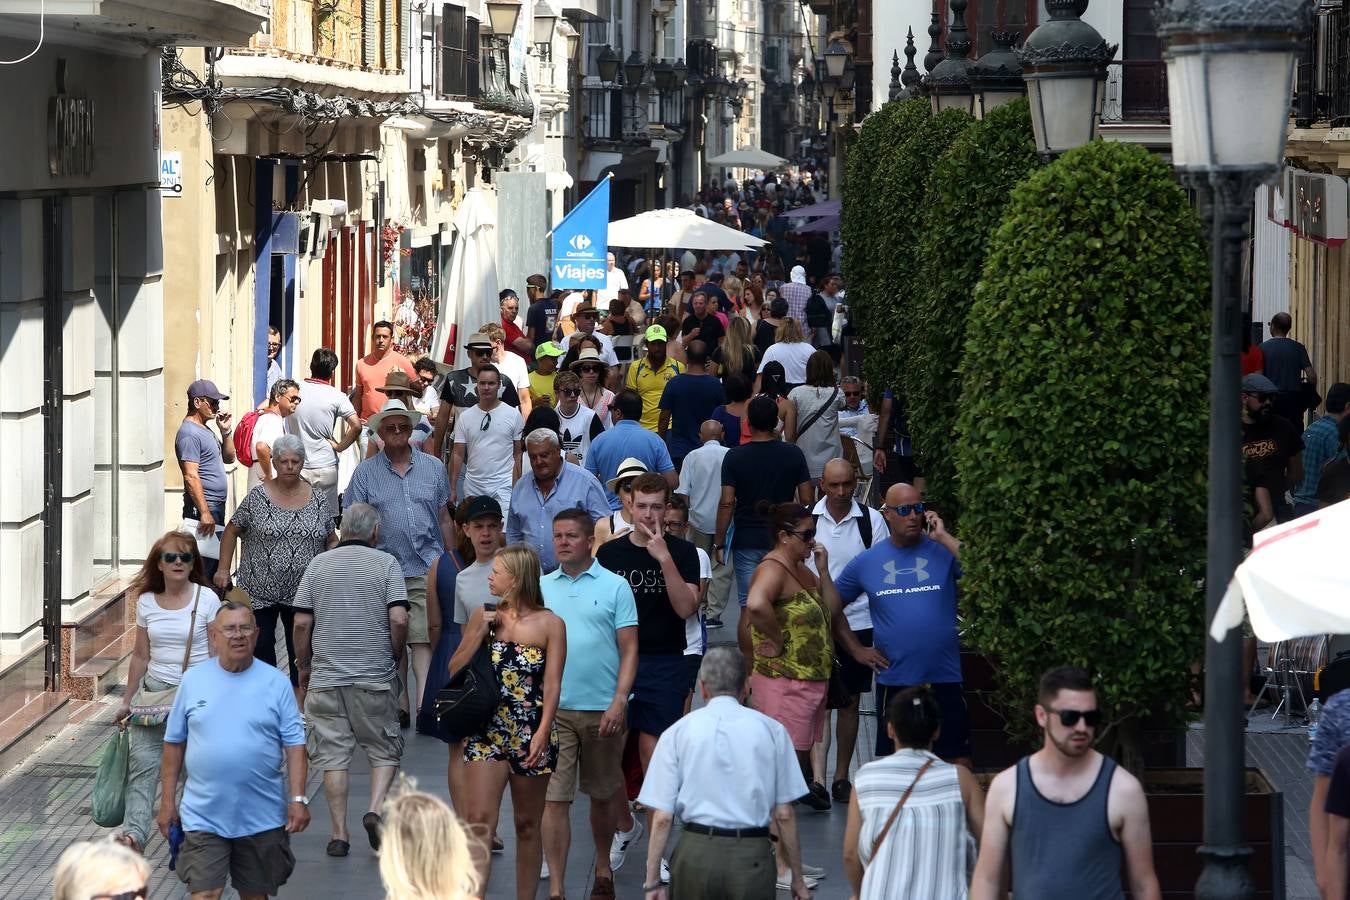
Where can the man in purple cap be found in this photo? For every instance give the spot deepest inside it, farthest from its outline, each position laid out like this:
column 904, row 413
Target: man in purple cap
column 202, row 457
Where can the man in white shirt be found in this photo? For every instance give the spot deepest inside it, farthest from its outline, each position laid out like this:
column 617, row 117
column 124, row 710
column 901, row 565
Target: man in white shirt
column 510, row 365
column 725, row 808
column 487, row 444
column 615, row 278
column 321, row 405
column 846, row 529
column 701, row 483
column 283, row 399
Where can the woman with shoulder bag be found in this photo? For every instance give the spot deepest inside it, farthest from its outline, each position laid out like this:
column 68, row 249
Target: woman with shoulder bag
column 912, row 817
column 173, row 607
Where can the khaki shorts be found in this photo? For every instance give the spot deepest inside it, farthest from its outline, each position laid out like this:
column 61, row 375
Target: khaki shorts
column 324, row 480
column 256, row 864
column 582, row 751
column 417, row 610
column 340, row 718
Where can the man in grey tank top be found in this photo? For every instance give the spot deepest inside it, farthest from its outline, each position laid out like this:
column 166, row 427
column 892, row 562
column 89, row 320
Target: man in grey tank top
column 1065, row 816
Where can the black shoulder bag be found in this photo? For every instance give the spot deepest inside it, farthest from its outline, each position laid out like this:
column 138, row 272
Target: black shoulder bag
column 467, row 702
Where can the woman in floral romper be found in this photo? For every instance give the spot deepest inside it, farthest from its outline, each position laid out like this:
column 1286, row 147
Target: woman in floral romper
column 519, row 745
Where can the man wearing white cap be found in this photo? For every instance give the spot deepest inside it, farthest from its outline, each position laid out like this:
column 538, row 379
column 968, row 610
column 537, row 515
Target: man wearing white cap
column 410, row 492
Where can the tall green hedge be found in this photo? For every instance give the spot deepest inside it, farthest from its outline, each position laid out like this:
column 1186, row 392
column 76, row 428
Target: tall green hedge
column 1082, row 437
column 966, row 194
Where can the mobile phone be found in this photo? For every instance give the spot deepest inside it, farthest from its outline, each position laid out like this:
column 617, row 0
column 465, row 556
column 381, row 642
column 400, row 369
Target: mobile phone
column 490, row 607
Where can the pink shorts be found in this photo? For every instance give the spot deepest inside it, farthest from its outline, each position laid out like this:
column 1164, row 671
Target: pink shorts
column 798, row 705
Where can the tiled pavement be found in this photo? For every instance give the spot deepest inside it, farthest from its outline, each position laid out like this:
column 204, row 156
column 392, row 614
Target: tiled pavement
column 44, row 806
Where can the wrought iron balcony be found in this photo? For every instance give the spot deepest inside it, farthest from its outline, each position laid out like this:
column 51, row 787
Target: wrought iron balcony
column 602, row 113
column 1136, row 91
column 1322, row 85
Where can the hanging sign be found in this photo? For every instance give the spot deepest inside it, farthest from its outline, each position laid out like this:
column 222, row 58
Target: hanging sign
column 581, row 243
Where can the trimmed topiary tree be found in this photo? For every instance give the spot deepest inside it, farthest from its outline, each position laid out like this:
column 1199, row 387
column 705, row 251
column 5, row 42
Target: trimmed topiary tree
column 1082, row 439
column 898, row 194
column 964, row 201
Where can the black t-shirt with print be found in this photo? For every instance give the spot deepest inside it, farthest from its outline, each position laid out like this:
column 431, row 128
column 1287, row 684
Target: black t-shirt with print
column 660, row 627
column 1267, row 446
column 461, row 389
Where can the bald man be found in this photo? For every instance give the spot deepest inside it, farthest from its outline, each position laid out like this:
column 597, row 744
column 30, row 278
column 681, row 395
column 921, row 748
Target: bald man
column 846, row 529
column 701, row 483
column 910, row 580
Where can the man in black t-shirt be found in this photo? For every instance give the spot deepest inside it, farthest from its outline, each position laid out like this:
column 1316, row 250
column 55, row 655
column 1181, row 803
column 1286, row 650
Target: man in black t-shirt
column 701, row 324
column 542, row 315
column 1271, row 451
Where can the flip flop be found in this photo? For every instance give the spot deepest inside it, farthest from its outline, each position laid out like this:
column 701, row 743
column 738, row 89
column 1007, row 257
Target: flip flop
column 372, row 823
column 338, row 848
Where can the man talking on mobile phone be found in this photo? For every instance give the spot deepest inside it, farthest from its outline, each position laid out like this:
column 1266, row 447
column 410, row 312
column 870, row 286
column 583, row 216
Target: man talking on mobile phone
column 911, row 584
column 201, row 458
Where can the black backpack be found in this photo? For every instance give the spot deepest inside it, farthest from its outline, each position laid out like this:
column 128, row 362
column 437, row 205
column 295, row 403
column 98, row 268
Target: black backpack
column 864, row 525
column 817, row 313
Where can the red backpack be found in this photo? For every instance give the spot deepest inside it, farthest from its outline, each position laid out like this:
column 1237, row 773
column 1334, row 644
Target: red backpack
column 243, row 435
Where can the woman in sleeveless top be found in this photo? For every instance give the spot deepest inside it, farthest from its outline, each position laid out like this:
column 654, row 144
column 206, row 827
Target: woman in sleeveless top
column 519, row 745
column 731, row 415
column 790, row 612
column 928, row 847
column 812, row 421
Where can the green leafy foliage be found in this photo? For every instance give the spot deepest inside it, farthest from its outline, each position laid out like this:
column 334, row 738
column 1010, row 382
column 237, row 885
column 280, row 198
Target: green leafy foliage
column 1082, row 437
column 964, row 201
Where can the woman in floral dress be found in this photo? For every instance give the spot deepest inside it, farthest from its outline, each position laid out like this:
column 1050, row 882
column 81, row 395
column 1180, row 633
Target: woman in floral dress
column 519, row 745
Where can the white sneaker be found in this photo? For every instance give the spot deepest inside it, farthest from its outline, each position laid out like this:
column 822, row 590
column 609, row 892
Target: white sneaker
column 618, row 848
column 785, row 882
column 665, row 872
column 543, row 870
column 813, row 872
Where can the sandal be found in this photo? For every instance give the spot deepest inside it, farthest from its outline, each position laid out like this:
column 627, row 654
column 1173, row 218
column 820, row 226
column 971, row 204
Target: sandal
column 372, row 823
column 338, row 848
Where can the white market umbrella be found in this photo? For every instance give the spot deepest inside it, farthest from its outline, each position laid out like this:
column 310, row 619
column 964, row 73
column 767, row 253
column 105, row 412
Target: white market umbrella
column 1294, row 583
column 825, row 208
column 681, row 229
column 748, row 158
column 469, row 297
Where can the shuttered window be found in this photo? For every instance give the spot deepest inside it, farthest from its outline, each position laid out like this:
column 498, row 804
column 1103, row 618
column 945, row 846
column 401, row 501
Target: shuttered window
column 452, row 51
column 389, row 28
column 369, row 34
column 472, row 71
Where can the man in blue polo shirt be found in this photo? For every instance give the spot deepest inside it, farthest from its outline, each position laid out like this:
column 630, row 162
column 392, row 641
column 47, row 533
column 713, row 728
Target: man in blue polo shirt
column 911, row 582
column 600, row 613
column 628, row 439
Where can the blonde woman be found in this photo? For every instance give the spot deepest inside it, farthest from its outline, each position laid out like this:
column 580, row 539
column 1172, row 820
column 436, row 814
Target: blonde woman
column 737, row 355
column 519, row 745
column 100, row 869
column 791, row 349
column 424, row 853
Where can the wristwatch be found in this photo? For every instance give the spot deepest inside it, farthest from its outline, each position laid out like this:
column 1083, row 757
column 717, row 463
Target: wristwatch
column 300, row 798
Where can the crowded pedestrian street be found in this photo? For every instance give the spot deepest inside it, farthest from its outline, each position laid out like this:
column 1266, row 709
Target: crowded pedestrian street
column 674, row 449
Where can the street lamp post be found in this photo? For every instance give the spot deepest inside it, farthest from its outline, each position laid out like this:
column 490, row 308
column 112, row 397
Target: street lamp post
column 1230, row 69
column 1064, row 65
column 949, row 81
column 996, row 77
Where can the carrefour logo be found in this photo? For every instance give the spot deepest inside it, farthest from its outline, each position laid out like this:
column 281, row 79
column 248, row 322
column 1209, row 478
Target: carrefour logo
column 579, row 242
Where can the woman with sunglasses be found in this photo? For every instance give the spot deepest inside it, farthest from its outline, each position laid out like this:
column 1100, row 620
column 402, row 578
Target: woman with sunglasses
column 174, row 604
column 99, row 870
column 592, row 372
column 927, row 848
column 791, row 613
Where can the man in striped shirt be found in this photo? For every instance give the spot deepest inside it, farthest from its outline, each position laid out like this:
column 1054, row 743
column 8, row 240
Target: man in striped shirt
column 351, row 620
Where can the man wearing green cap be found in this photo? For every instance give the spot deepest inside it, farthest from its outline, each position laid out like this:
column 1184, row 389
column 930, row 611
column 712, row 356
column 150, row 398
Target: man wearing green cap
column 541, row 379
column 649, row 375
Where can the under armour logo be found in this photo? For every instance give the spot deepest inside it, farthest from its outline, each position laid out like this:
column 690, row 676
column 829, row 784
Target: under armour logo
column 920, row 570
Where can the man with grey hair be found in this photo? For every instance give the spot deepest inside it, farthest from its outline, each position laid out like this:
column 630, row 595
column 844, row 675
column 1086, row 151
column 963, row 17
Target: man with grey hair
column 270, row 424
column 351, row 620
column 552, row 485
column 725, row 848
column 855, row 405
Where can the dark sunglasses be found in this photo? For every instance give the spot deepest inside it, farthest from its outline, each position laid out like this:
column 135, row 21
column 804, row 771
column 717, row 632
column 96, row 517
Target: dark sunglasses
column 593, row 370
column 487, row 421
column 169, row 557
column 570, row 392
column 426, row 379
column 904, row 509
column 139, row 893
column 806, row 536
column 852, row 393
column 1069, row 717
column 476, row 351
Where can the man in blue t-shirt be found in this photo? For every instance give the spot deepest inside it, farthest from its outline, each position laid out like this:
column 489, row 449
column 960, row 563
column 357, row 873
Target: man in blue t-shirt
column 687, row 402
column 232, row 721
column 911, row 582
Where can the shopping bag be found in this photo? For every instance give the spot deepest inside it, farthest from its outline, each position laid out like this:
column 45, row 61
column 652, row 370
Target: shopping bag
column 110, row 784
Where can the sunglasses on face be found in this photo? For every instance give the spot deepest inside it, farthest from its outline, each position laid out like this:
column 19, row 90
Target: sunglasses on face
column 476, row 351
column 426, row 379
column 1069, row 717
column 592, row 370
column 397, row 427
column 169, row 557
column 852, row 393
column 806, row 536
column 675, row 526
column 139, row 893
column 904, row 509
column 570, row 392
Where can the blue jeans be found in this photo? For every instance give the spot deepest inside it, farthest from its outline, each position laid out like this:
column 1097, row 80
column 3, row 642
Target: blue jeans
column 745, row 562
column 217, row 510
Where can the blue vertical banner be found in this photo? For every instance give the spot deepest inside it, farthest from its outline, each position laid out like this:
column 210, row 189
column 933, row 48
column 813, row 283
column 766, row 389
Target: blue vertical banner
column 581, row 243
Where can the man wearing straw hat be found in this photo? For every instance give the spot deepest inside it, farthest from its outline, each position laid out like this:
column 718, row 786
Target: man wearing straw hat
column 411, row 493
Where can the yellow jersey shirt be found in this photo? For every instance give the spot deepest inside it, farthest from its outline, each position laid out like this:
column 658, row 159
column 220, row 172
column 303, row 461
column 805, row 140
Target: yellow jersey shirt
column 650, row 383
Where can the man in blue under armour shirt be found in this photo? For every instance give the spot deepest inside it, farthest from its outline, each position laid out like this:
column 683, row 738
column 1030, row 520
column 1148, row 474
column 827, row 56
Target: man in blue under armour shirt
column 911, row 582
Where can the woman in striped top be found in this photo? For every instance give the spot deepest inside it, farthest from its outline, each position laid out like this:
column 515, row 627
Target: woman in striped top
column 911, row 815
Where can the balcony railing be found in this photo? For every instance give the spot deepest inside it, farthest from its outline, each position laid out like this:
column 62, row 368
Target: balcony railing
column 1136, row 91
column 602, row 118
column 1322, row 85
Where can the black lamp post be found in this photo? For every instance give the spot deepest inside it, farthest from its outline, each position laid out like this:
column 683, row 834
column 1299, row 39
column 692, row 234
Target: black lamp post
column 634, row 70
column 836, row 55
column 949, row 82
column 1064, row 65
column 1230, row 69
column 607, row 65
column 996, row 77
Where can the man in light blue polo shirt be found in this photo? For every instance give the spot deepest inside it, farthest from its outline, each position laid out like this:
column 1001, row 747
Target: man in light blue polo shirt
column 551, row 485
column 628, row 438
column 598, row 608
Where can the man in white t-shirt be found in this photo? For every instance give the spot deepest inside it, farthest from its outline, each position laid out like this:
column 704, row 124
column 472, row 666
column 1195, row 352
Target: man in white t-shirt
column 510, row 365
column 841, row 529
column 487, row 444
column 283, row 400
column 321, row 405
column 615, row 278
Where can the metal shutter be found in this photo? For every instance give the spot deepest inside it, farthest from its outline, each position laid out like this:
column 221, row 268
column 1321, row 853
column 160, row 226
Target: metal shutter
column 472, row 54
column 369, row 56
column 389, row 28
column 452, row 50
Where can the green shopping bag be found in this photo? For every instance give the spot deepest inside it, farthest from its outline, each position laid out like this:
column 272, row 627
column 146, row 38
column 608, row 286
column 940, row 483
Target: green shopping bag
column 110, row 784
